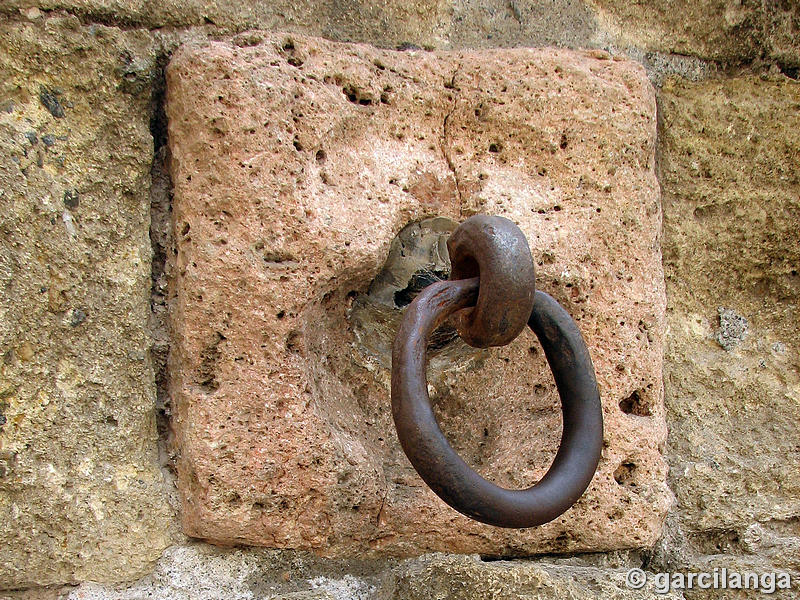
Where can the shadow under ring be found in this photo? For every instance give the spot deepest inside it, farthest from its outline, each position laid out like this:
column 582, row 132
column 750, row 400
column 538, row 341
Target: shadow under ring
column 431, row 454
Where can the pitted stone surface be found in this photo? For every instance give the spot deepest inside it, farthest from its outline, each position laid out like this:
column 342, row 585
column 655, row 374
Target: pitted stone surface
column 295, row 163
column 719, row 30
column 732, row 212
column 81, row 494
column 201, row 572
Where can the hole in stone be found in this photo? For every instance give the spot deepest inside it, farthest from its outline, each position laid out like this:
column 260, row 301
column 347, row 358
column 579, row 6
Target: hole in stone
column 320, row 156
column 417, row 257
column 720, row 541
column 495, row 147
column 419, row 281
column 277, row 257
column 791, row 72
column 294, row 341
column 561, row 539
column 625, row 473
column 492, row 558
column 635, row 404
column 356, row 96
column 209, row 357
column 563, row 143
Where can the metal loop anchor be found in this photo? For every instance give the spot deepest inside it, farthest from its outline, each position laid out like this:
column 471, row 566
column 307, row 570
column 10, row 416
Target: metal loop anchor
column 496, row 250
column 429, row 451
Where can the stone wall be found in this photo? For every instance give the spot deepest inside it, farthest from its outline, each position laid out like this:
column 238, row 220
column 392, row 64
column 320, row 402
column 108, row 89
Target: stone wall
column 89, row 506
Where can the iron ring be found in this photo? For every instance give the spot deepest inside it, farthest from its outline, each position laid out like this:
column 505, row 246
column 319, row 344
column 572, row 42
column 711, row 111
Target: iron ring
column 442, row 468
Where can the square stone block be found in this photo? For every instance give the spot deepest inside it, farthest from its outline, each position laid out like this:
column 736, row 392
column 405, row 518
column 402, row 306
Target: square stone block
column 296, row 163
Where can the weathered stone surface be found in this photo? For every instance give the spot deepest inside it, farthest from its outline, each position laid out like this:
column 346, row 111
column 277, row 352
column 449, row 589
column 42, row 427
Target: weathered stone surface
column 511, row 23
column 468, row 578
column 663, row 34
column 81, row 495
column 203, row 573
column 38, row 593
column 729, row 168
column 782, row 31
column 764, row 568
column 761, row 548
column 295, row 163
column 386, row 23
column 721, row 30
column 730, row 31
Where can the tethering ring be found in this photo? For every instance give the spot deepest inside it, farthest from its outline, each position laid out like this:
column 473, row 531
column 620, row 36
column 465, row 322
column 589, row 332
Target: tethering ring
column 493, row 272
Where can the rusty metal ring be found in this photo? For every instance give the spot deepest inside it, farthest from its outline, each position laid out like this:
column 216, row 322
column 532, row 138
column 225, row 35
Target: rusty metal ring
column 436, row 461
column 494, row 249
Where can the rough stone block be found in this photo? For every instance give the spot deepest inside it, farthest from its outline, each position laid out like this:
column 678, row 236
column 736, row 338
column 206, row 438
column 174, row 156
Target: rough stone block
column 500, row 23
column 81, row 494
column 729, row 157
column 468, row 578
column 728, row 32
column 731, row 32
column 295, row 164
column 389, row 23
column 201, row 572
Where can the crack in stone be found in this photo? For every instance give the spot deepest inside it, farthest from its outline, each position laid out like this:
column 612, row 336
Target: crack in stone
column 445, row 128
column 162, row 244
column 515, row 12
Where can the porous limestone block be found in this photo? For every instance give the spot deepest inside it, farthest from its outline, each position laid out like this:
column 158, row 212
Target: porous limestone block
column 295, row 164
